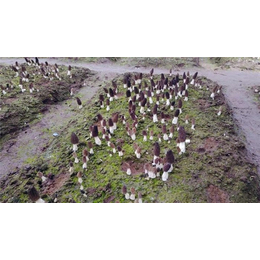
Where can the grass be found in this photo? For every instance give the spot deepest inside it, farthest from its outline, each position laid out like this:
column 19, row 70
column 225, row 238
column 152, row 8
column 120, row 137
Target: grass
column 219, row 171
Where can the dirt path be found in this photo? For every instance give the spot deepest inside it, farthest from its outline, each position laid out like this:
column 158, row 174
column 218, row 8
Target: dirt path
column 236, row 87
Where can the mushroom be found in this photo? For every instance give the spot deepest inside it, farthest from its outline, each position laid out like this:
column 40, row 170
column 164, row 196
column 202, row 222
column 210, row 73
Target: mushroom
column 115, row 120
column 113, row 147
column 79, row 175
column 167, row 95
column 165, row 174
column 140, row 197
column 219, row 111
column 132, row 196
column 180, row 105
column 175, row 119
column 144, row 135
column 151, row 73
column 186, row 95
column 193, row 78
column 69, row 72
column 95, row 135
column 214, row 92
column 182, row 138
column 35, row 196
column 90, row 146
column 43, row 178
column 79, row 102
column 101, row 100
column 155, row 118
column 170, row 159
column 187, row 119
column 193, row 124
column 76, row 158
column 156, row 151
column 111, row 94
column 162, row 118
column 74, row 140
column 120, row 151
column 151, row 135
column 85, row 153
column 171, row 131
column 108, row 104
column 125, row 193
column 71, row 169
column 84, row 160
column 111, row 125
column 143, row 103
column 164, row 131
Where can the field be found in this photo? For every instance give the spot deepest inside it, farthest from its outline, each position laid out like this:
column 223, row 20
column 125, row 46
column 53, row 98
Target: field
column 214, row 168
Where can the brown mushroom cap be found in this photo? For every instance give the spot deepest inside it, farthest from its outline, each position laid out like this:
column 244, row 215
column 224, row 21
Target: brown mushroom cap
column 95, row 131
column 182, row 134
column 85, row 152
column 74, row 139
column 166, row 167
column 169, row 157
column 156, row 150
column 33, row 194
column 124, row 190
column 79, row 101
column 177, row 112
column 79, row 174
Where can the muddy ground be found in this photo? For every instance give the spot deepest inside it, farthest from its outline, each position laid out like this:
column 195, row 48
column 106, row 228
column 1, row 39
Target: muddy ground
column 231, row 177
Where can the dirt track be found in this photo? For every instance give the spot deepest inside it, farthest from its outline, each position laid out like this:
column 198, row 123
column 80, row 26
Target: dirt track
column 236, row 87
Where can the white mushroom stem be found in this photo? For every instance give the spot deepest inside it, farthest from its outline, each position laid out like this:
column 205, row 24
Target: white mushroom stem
column 154, row 158
column 219, row 113
column 97, row 140
column 111, row 99
column 125, row 85
column 151, row 174
column 159, row 140
column 151, row 137
column 212, row 95
column 133, row 136
column 81, row 187
column 80, row 180
column 182, row 147
column 150, row 100
column 114, row 150
column 165, row 176
column 76, row 160
column 163, row 121
column 108, row 108
column 167, row 102
column 155, row 118
column 68, row 74
column 170, row 135
column 187, row 141
column 193, row 127
column 145, row 138
column 186, row 99
column 140, row 200
column 172, row 108
column 138, row 155
column 142, row 110
column 165, row 137
column 120, row 153
column 186, row 121
column 132, row 197
column 71, row 170
column 108, row 143
column 127, row 196
column 91, row 151
column 192, row 82
column 40, row 200
column 128, row 171
column 111, row 129
column 75, row 147
column 84, row 166
column 171, row 169
column 175, row 120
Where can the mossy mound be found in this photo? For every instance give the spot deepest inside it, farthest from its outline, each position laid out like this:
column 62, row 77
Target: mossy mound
column 213, row 169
